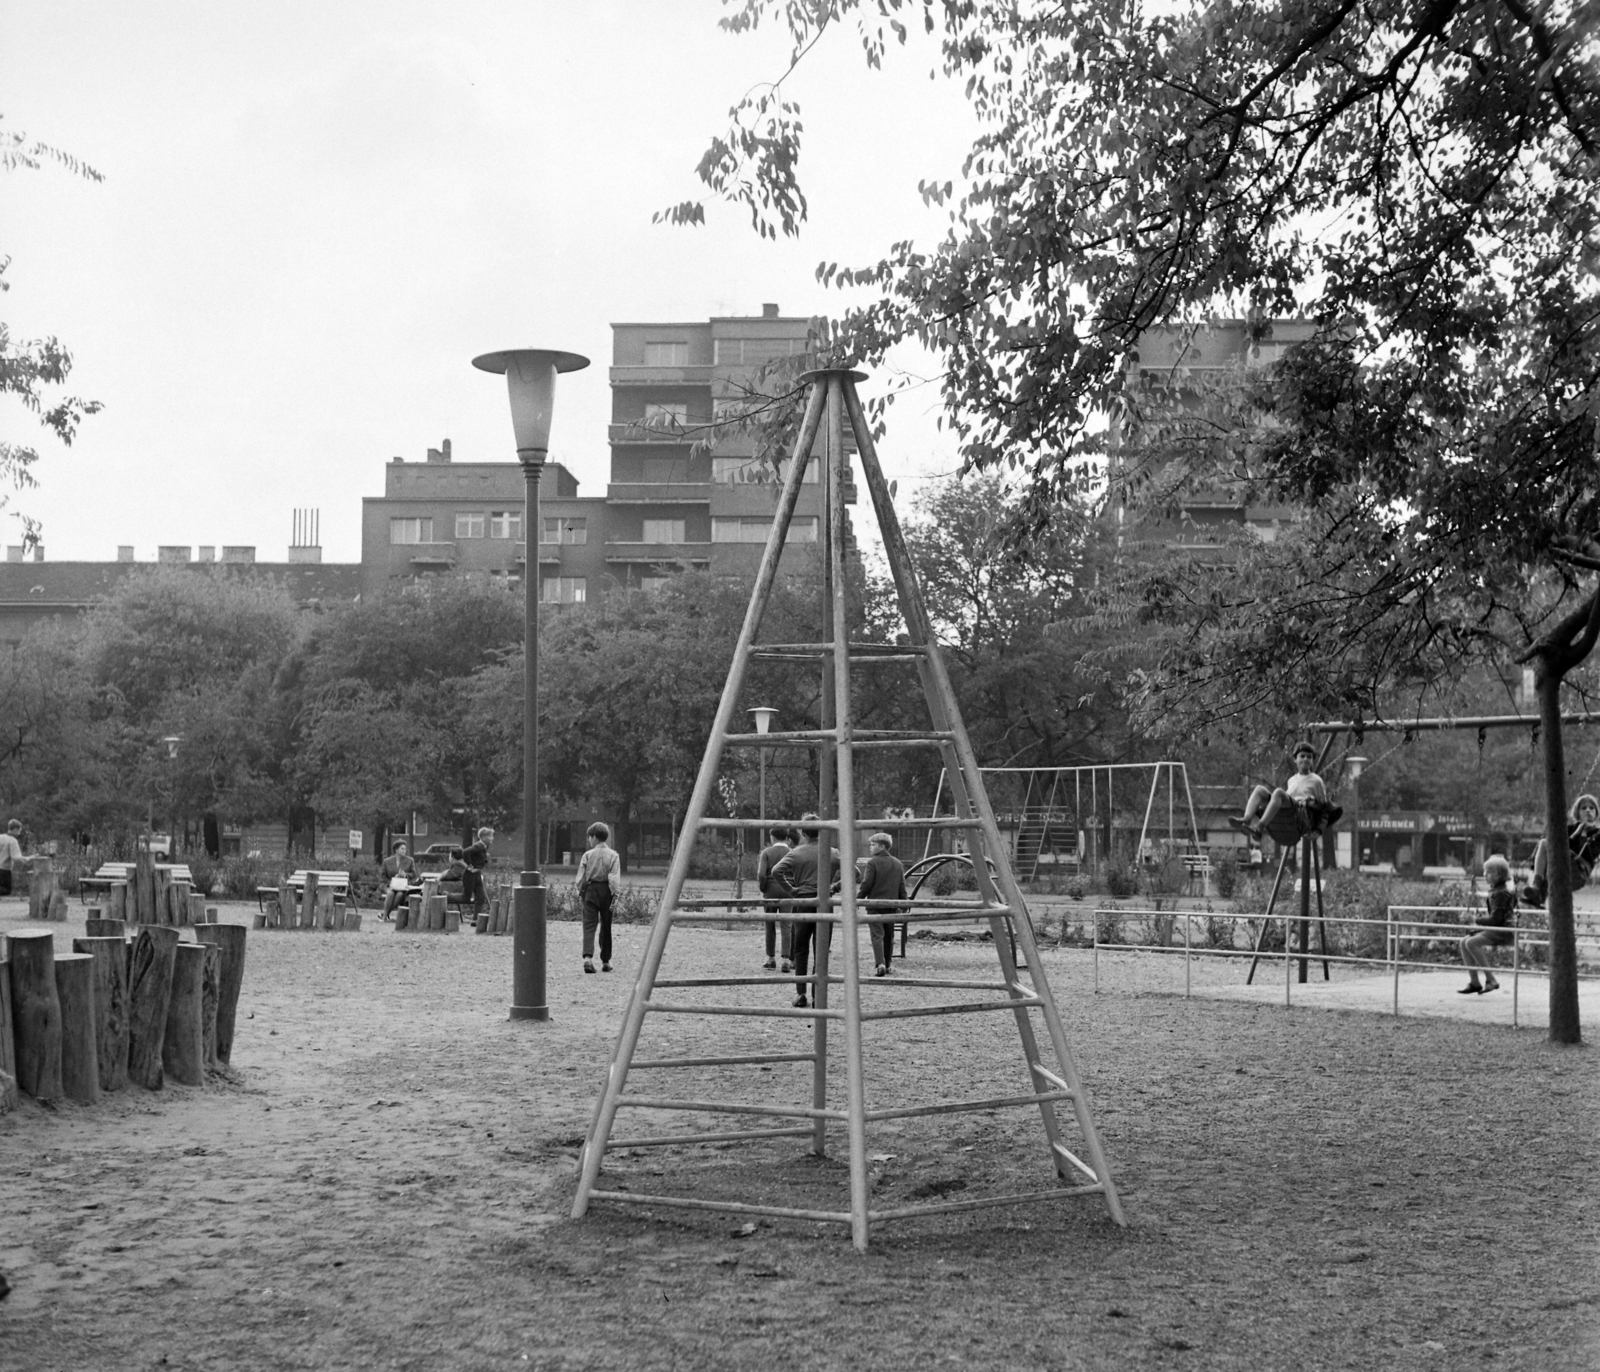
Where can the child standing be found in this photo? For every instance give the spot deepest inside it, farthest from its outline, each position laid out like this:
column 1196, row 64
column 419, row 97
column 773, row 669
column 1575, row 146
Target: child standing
column 1304, row 791
column 599, row 882
column 883, row 879
column 782, row 841
column 1495, row 929
column 799, row 876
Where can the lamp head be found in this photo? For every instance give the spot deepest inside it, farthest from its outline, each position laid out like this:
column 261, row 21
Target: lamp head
column 1355, row 764
column 531, row 382
column 172, row 741
column 763, row 714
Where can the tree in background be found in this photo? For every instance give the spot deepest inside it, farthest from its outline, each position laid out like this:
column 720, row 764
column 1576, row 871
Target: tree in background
column 1420, row 181
column 30, row 369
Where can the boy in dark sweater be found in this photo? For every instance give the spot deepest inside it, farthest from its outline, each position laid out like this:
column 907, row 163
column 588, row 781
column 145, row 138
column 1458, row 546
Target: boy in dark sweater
column 882, row 879
column 798, row 875
column 1493, row 931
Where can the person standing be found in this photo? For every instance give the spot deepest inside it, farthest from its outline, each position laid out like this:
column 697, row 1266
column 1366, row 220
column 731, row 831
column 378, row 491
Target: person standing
column 882, row 879
column 799, row 875
column 10, row 855
column 476, row 858
column 782, row 841
column 599, row 883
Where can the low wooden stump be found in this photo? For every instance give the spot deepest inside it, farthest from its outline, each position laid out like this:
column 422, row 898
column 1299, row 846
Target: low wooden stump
column 36, row 1013
column 105, row 928
column 230, row 939
column 183, row 1042
column 80, row 1057
column 110, row 1005
column 155, row 954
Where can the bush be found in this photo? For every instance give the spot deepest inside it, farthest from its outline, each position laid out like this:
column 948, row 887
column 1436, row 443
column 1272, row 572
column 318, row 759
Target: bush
column 636, row 904
column 712, row 859
column 238, row 877
column 1122, row 882
column 1110, row 927
column 1225, row 875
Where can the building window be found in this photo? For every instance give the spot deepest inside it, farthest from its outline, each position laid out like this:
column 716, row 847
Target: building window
column 749, row 352
column 666, row 531
column 563, row 590
column 505, row 580
column 562, row 530
column 755, row 528
column 652, row 583
column 411, row 531
column 666, row 354
column 662, row 414
column 741, row 471
column 505, row 523
column 469, row 523
column 813, row 472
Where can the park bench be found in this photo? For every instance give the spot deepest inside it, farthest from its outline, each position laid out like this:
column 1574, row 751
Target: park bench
column 337, row 882
column 110, row 874
column 1198, row 868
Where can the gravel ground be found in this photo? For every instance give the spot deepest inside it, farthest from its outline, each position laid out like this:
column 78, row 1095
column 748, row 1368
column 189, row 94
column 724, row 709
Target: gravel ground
column 384, row 1179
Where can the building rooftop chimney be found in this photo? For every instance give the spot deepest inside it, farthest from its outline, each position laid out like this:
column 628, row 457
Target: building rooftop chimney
column 207, row 552
column 769, row 311
column 124, row 552
column 172, row 552
column 231, row 552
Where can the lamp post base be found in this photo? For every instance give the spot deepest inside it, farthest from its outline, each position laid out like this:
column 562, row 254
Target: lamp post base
column 528, row 949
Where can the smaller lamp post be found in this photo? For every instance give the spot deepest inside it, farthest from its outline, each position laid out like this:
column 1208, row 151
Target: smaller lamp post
column 531, row 384
column 1355, row 764
column 172, row 741
column 764, row 715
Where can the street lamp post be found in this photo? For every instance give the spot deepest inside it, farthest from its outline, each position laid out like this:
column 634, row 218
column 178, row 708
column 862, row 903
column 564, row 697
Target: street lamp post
column 531, row 383
column 763, row 714
column 172, row 741
column 1355, row 764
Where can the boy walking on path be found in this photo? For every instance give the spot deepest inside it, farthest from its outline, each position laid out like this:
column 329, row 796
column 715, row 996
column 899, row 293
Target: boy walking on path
column 771, row 855
column 599, row 882
column 883, row 878
column 798, row 874
column 1304, row 791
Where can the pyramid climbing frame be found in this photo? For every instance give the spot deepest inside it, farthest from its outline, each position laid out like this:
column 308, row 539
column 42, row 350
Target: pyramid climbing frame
column 833, row 402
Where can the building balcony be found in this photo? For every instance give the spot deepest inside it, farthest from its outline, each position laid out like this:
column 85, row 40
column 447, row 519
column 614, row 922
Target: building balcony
column 668, row 553
column 431, row 554
column 661, row 376
column 658, row 493
column 637, row 431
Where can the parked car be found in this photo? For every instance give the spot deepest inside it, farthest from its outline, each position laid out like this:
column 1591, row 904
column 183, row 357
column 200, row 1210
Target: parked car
column 435, row 856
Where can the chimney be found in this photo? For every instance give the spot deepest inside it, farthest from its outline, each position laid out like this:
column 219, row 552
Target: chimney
column 440, row 454
column 208, row 553
column 38, row 552
column 14, row 552
column 172, row 552
column 769, row 311
column 447, row 450
column 307, row 542
column 124, row 552
column 230, row 553
column 397, row 458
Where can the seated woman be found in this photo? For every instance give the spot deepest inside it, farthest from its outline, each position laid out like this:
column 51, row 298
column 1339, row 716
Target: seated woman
column 400, row 864
column 1583, row 842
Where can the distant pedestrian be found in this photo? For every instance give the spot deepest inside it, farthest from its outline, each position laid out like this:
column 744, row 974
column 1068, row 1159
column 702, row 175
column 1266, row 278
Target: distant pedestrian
column 599, row 883
column 782, row 841
column 10, row 854
column 1493, row 931
column 476, row 858
column 799, row 875
column 882, row 879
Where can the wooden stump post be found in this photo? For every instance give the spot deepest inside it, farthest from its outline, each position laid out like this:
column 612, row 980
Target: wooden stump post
column 116, row 906
column 41, row 888
column 210, row 994
column 8, row 1050
column 208, row 913
column 155, row 954
column 105, row 928
column 286, row 906
column 324, row 908
column 110, row 1004
column 452, row 921
column 183, row 1044
column 161, row 886
column 177, row 903
column 230, row 939
column 413, row 913
column 80, row 1054
column 308, row 902
column 36, row 1013
column 142, row 897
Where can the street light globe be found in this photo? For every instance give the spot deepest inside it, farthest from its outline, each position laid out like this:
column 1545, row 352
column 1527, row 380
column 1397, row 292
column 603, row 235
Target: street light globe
column 172, row 741
column 764, row 715
column 531, row 381
column 1355, row 764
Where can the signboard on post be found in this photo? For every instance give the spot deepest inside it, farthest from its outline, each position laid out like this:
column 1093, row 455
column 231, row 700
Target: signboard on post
column 355, row 840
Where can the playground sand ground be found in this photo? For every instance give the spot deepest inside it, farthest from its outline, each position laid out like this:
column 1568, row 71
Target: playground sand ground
column 384, row 1181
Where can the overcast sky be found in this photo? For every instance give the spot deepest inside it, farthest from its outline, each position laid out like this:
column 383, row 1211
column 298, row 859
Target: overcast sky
column 315, row 214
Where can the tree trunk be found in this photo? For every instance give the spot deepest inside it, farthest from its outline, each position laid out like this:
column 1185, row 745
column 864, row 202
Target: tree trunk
column 80, row 1055
column 230, row 939
column 110, row 1005
column 155, row 953
column 1564, row 1025
column 36, row 1013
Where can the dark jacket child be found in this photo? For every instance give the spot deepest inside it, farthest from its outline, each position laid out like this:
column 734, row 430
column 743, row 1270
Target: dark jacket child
column 1494, row 929
column 797, row 876
column 882, row 879
column 782, row 841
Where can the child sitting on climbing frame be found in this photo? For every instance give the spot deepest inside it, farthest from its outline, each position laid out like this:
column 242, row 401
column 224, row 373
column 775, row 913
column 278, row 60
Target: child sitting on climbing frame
column 1304, row 793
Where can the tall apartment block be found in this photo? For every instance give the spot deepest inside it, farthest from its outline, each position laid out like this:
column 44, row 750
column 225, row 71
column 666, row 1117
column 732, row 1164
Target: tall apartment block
column 686, row 491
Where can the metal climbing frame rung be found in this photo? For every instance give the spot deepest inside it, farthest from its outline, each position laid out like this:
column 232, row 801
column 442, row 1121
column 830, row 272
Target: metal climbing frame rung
column 844, row 999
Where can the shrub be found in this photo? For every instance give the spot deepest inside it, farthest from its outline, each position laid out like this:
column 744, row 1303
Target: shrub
column 712, row 859
column 1122, row 882
column 1110, row 927
column 1225, row 875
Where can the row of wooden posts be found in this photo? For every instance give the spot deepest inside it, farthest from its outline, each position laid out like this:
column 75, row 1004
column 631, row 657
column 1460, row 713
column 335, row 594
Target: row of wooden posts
column 313, row 906
column 117, row 1009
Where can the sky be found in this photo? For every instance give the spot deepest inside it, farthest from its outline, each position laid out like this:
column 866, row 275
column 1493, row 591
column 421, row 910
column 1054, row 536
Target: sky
column 314, row 215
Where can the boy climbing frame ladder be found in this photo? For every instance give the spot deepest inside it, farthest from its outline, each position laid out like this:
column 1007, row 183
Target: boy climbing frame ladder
column 999, row 900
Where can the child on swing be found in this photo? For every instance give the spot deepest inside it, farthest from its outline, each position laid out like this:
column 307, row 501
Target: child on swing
column 1304, row 791
column 1583, row 842
column 1494, row 931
